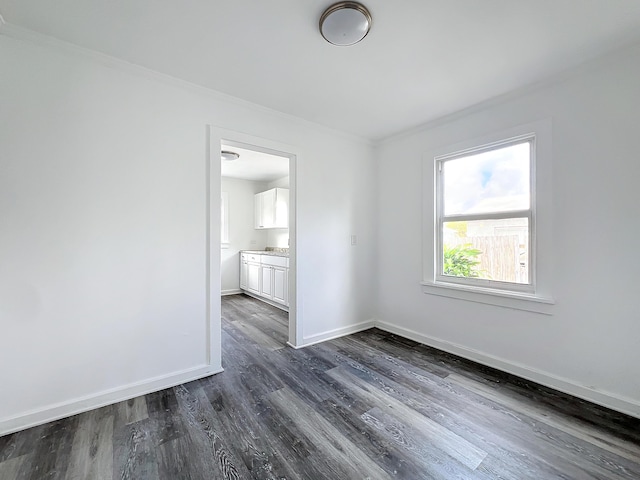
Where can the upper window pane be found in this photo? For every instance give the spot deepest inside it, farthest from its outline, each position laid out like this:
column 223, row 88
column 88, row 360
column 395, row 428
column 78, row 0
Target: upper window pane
column 488, row 182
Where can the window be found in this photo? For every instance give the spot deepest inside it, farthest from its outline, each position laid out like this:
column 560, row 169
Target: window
column 224, row 220
column 488, row 219
column 485, row 216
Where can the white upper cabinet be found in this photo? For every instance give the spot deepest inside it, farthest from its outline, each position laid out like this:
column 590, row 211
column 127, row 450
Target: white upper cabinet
column 272, row 208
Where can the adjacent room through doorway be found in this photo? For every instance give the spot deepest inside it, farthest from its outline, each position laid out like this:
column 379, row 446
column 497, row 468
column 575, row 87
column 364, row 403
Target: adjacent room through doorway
column 255, row 215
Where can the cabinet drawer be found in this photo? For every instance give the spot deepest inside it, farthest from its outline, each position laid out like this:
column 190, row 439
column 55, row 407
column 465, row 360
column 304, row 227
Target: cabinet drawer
column 251, row 257
column 275, row 261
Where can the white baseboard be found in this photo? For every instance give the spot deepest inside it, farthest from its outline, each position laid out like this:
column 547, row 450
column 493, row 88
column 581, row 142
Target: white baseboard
column 231, row 291
column 107, row 397
column 335, row 333
column 606, row 399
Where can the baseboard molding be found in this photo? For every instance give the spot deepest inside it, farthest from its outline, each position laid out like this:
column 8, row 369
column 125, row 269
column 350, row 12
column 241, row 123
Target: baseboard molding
column 605, row 399
column 335, row 333
column 232, row 291
column 107, row 397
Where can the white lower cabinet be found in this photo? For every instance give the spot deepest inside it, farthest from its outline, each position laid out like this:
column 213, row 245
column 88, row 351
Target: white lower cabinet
column 244, row 272
column 280, row 277
column 265, row 276
column 266, row 288
column 253, row 278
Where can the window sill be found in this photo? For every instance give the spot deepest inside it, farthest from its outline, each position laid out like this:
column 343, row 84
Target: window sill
column 498, row 298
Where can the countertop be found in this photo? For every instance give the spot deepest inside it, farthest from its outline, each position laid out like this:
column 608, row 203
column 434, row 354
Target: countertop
column 266, row 252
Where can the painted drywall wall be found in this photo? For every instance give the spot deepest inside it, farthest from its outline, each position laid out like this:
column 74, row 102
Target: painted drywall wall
column 279, row 183
column 242, row 233
column 589, row 346
column 103, row 200
column 278, row 237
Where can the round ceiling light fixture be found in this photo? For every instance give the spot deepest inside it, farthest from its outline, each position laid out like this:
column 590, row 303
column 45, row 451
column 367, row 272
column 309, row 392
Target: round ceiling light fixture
column 229, row 155
column 345, row 23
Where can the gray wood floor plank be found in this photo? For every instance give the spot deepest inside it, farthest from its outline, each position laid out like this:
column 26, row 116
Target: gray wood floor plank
column 175, row 461
column 586, row 432
column 92, row 450
column 12, row 469
column 417, row 444
column 335, row 447
column 269, row 323
column 235, row 418
column 432, row 396
column 258, row 336
column 423, row 383
column 131, row 411
column 21, row 443
column 547, row 447
column 167, row 424
column 388, row 453
column 53, row 450
column 444, row 439
column 208, row 446
column 275, row 426
column 134, row 451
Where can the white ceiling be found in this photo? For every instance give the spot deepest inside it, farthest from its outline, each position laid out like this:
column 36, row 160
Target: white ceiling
column 422, row 59
column 256, row 166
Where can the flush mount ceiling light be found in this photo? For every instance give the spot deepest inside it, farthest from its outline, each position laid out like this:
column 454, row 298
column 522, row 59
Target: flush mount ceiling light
column 228, row 155
column 345, row 23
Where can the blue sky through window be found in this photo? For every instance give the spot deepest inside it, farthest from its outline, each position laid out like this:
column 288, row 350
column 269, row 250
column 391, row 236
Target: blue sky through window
column 493, row 181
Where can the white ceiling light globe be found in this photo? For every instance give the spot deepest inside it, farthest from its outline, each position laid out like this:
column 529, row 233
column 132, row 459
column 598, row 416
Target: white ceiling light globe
column 345, row 23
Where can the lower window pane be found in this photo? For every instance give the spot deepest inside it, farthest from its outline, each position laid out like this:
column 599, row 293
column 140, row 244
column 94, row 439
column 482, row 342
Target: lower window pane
column 490, row 249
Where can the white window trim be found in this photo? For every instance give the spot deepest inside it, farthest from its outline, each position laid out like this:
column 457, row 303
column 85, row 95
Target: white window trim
column 224, row 227
column 529, row 214
column 535, row 297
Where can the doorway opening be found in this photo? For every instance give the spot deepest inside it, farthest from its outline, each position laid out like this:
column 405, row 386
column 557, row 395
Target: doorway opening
column 257, row 231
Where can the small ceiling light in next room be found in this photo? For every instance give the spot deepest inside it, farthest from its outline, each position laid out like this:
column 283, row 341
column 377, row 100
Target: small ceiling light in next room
column 229, row 155
column 345, row 23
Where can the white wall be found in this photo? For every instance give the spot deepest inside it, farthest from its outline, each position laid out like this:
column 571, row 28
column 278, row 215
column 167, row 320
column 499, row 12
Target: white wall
column 279, row 183
column 589, row 346
column 104, row 228
column 242, row 233
column 278, row 237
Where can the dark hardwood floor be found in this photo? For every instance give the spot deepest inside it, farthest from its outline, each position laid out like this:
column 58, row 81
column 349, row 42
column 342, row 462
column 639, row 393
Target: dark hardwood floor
column 371, row 405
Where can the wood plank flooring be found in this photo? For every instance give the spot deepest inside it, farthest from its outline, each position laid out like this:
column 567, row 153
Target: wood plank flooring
column 371, row 405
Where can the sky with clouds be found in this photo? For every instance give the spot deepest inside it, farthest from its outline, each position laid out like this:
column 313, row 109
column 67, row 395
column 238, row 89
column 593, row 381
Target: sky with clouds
column 492, row 181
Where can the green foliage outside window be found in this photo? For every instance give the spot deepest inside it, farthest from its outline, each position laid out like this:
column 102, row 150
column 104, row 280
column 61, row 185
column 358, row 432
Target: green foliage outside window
column 461, row 261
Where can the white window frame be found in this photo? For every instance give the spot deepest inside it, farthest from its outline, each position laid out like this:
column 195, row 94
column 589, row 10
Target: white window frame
column 529, row 214
column 224, row 220
column 538, row 297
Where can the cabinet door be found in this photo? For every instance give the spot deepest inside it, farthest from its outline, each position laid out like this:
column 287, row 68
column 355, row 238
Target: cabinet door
column 253, row 277
column 280, row 285
column 269, row 208
column 257, row 211
column 281, row 207
column 243, row 273
column 266, row 288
